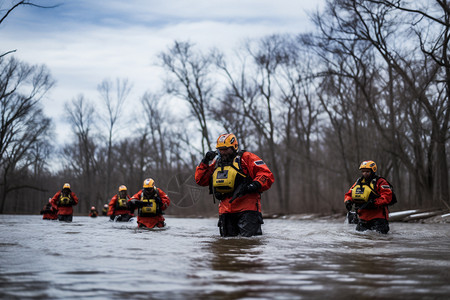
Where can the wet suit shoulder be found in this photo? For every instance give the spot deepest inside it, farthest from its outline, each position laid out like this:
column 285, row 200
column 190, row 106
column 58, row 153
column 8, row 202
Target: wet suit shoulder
column 257, row 169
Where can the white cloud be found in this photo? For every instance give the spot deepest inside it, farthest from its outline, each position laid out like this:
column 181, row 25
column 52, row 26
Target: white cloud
column 84, row 42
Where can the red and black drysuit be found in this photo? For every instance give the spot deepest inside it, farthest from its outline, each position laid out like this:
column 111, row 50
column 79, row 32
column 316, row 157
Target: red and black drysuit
column 63, row 203
column 374, row 214
column 122, row 212
column 243, row 215
column 144, row 220
column 48, row 212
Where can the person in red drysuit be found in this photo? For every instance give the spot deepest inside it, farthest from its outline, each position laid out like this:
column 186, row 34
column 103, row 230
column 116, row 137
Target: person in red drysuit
column 63, row 201
column 150, row 202
column 118, row 206
column 48, row 212
column 370, row 194
column 237, row 179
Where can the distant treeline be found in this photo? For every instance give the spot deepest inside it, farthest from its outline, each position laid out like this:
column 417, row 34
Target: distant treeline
column 371, row 82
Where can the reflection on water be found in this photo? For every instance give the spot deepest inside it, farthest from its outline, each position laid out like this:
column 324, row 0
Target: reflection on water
column 293, row 259
column 235, row 254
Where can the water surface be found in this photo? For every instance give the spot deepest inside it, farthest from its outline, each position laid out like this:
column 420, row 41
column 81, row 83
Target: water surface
column 92, row 258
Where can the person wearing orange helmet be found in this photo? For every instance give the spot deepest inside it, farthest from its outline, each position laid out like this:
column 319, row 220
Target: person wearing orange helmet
column 63, row 201
column 371, row 195
column 118, row 206
column 48, row 212
column 150, row 202
column 93, row 213
column 237, row 179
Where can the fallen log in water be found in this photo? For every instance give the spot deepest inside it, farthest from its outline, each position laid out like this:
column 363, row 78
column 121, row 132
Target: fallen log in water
column 400, row 215
column 415, row 214
column 421, row 216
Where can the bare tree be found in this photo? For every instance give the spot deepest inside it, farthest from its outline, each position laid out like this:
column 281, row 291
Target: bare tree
column 23, row 124
column 413, row 82
column 191, row 81
column 80, row 156
column 4, row 13
column 159, row 134
column 240, row 92
column 430, row 22
column 114, row 97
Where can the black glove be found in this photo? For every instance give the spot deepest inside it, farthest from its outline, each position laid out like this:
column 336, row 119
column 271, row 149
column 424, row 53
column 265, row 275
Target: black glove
column 249, row 188
column 209, row 156
column 252, row 187
column 348, row 205
column 370, row 203
column 131, row 205
column 112, row 217
column 138, row 203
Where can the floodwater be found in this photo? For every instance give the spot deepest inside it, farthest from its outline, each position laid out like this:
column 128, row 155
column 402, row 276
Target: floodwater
column 92, row 258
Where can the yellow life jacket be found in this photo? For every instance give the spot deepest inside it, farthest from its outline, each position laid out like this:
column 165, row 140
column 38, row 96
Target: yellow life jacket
column 150, row 208
column 64, row 200
column 361, row 191
column 226, row 178
column 122, row 203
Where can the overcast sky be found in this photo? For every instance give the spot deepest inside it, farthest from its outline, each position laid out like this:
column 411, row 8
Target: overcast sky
column 83, row 42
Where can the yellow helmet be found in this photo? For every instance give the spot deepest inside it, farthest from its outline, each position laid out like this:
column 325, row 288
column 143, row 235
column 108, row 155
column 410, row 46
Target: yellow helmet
column 227, row 140
column 66, row 186
column 122, row 188
column 368, row 164
column 149, row 183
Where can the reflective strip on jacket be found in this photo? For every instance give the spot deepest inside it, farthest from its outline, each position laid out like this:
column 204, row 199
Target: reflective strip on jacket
column 157, row 221
column 380, row 211
column 255, row 168
column 63, row 210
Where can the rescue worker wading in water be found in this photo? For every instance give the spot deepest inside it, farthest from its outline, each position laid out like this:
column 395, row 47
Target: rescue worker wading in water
column 63, row 201
column 93, row 213
column 370, row 194
column 150, row 202
column 105, row 210
column 237, row 179
column 48, row 212
column 118, row 206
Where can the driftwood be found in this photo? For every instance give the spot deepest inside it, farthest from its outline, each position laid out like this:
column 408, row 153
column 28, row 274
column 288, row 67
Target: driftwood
column 416, row 214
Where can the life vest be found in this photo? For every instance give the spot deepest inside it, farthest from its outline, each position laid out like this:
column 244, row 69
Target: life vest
column 361, row 191
column 65, row 200
column 151, row 207
column 121, row 203
column 226, row 178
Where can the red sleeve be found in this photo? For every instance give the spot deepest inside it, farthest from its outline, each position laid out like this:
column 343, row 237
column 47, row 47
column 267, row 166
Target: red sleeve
column 112, row 205
column 384, row 190
column 164, row 198
column 54, row 201
column 348, row 195
column 257, row 170
column 74, row 197
column 136, row 196
column 203, row 173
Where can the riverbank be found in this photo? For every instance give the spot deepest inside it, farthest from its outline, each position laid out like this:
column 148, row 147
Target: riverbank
column 428, row 216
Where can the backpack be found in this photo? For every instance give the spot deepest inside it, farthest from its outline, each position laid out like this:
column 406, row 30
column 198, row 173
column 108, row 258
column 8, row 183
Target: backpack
column 394, row 197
